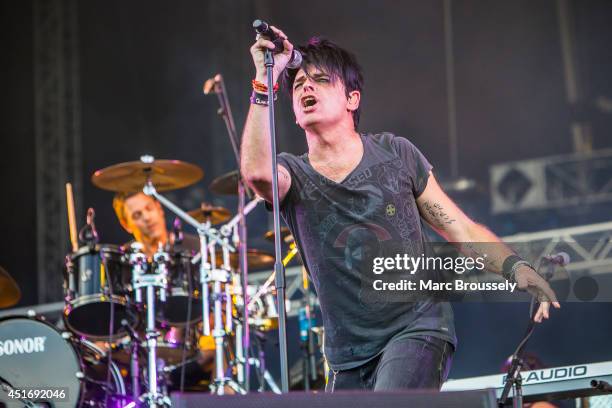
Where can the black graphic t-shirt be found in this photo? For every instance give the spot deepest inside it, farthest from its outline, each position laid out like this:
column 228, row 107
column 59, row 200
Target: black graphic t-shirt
column 341, row 227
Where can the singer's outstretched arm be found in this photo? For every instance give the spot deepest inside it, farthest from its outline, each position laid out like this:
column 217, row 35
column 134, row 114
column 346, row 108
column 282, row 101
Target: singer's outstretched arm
column 256, row 160
column 474, row 240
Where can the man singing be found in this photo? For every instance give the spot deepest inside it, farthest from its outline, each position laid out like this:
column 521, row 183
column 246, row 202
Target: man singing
column 352, row 196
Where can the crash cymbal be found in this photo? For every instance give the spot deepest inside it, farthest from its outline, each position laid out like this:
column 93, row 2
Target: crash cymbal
column 286, row 235
column 227, row 184
column 131, row 177
column 207, row 212
column 256, row 259
column 9, row 290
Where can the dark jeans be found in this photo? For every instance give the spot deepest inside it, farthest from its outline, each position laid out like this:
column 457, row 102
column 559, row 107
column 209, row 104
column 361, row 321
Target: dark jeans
column 416, row 362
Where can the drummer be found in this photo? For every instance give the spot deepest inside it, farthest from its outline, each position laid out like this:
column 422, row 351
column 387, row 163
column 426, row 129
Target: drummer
column 143, row 217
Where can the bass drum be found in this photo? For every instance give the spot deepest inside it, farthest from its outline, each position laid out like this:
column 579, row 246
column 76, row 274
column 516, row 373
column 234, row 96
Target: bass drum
column 35, row 356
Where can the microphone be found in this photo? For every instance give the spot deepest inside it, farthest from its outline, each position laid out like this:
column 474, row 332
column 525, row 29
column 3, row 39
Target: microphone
column 262, row 28
column 211, row 84
column 88, row 233
column 561, row 258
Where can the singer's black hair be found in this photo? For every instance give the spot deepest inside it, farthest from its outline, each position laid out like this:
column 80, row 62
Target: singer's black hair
column 332, row 59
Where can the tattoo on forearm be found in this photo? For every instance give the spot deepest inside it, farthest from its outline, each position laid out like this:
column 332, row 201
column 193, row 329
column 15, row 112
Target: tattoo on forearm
column 437, row 214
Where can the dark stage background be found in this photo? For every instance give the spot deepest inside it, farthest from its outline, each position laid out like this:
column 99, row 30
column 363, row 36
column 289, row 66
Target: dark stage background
column 142, row 65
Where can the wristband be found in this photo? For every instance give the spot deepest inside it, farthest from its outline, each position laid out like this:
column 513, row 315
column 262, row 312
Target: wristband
column 260, row 99
column 511, row 264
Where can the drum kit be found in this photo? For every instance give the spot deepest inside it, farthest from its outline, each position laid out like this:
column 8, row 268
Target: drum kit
column 134, row 324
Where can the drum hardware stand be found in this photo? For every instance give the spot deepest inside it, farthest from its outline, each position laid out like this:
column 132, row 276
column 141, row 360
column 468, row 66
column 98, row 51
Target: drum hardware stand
column 134, row 368
column 307, row 336
column 221, row 276
column 209, row 238
column 150, row 281
column 293, row 251
column 259, row 363
column 172, row 367
column 265, row 374
column 218, row 85
column 234, row 228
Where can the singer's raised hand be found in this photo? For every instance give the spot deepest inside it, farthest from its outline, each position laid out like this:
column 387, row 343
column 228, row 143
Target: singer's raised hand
column 529, row 280
column 280, row 59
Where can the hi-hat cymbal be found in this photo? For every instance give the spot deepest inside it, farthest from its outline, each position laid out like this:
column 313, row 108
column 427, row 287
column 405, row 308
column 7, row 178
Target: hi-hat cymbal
column 207, row 212
column 9, row 290
column 256, row 259
column 226, row 184
column 286, row 235
column 131, row 177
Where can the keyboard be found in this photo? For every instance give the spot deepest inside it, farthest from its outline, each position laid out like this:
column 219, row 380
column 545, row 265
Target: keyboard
column 543, row 384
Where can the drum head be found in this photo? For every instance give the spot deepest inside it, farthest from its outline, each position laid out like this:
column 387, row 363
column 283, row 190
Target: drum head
column 34, row 355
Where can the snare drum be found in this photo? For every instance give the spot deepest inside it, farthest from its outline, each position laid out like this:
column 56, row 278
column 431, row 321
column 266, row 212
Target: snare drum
column 35, row 355
column 97, row 283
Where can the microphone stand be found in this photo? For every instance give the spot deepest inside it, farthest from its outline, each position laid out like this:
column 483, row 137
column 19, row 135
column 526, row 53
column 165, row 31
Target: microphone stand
column 225, row 112
column 513, row 377
column 279, row 269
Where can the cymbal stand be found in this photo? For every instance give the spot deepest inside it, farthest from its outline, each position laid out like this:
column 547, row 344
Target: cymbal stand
column 203, row 228
column 159, row 279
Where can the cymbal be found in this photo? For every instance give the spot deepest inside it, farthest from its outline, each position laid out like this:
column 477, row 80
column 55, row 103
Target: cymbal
column 286, row 235
column 131, row 177
column 226, row 184
column 256, row 259
column 9, row 290
column 207, row 212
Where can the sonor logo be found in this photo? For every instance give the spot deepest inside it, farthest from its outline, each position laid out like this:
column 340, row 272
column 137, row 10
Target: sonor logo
column 26, row 345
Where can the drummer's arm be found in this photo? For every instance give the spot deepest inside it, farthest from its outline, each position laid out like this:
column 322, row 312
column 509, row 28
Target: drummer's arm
column 256, row 161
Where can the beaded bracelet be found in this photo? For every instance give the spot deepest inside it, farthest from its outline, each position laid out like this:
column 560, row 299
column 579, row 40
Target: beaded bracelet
column 262, row 88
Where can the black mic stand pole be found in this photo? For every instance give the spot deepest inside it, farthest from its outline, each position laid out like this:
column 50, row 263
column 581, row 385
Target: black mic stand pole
column 513, row 377
column 226, row 113
column 279, row 269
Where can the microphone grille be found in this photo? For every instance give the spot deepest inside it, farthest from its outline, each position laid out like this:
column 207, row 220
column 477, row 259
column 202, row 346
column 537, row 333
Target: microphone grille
column 296, row 60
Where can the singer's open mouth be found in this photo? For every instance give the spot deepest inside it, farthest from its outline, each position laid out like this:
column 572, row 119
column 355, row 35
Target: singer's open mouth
column 308, row 101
